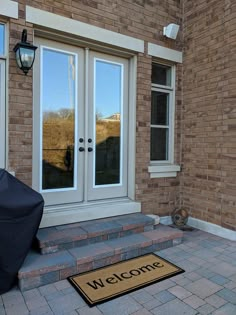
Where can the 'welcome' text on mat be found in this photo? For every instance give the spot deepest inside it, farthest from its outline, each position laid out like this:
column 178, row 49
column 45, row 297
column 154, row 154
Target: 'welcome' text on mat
column 109, row 282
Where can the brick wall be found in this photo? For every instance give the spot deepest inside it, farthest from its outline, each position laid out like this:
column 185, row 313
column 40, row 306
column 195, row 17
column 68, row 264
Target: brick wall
column 138, row 18
column 208, row 180
column 19, row 106
column 158, row 195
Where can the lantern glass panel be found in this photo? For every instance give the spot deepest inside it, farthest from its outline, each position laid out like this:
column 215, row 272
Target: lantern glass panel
column 18, row 60
column 27, row 57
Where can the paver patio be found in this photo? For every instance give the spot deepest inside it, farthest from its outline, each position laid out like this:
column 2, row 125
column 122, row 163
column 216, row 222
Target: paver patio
column 208, row 286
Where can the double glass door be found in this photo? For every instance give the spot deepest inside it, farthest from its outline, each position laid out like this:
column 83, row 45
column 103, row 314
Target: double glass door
column 80, row 124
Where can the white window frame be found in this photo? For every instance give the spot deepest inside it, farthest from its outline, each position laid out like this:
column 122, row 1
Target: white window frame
column 3, row 105
column 166, row 168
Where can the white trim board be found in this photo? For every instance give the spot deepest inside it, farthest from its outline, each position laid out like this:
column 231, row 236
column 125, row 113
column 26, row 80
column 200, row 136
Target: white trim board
column 81, row 29
column 9, row 8
column 166, row 220
column 158, row 171
column 205, row 226
column 212, row 228
column 165, row 53
column 3, row 114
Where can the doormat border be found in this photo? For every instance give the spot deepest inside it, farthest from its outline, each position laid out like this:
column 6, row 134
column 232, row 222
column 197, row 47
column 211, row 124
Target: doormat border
column 103, row 300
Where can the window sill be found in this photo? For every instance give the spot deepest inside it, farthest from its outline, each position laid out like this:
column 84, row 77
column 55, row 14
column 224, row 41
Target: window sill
column 160, row 171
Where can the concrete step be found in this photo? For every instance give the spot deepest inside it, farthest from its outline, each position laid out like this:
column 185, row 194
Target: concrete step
column 53, row 239
column 39, row 270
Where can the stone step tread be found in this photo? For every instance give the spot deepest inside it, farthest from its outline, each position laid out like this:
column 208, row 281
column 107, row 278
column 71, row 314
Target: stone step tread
column 79, row 234
column 36, row 265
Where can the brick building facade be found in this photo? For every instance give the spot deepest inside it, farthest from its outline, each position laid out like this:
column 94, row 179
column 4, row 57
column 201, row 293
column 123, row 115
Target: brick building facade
column 208, row 126
column 203, row 122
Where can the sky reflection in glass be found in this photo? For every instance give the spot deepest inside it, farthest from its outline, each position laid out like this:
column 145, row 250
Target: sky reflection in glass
column 58, row 80
column 108, row 88
column 59, row 83
column 2, row 39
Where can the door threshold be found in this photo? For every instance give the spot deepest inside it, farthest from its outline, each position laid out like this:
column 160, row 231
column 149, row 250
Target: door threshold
column 71, row 213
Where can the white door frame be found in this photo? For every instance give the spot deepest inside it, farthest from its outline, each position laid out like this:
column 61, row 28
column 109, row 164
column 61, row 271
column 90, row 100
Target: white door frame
column 67, row 213
column 2, row 114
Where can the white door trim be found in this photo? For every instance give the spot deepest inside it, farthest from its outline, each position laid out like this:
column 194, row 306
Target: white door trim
column 64, row 213
column 82, row 30
column 165, row 53
column 9, row 8
column 3, row 113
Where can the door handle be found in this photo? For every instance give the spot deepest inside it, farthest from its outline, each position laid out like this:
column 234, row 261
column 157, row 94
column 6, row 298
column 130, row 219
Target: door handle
column 81, row 149
column 90, row 149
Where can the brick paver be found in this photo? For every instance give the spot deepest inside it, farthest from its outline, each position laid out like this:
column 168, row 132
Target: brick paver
column 88, row 311
column 206, row 309
column 208, row 286
column 215, row 300
column 180, row 292
column 164, row 296
column 176, row 307
column 203, row 288
column 227, row 309
column 227, row 295
column 194, row 301
column 124, row 305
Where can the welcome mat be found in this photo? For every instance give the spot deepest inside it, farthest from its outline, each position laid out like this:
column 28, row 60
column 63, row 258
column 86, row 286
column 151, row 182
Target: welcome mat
column 106, row 283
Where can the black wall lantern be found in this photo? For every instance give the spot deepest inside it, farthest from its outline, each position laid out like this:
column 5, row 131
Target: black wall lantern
column 25, row 53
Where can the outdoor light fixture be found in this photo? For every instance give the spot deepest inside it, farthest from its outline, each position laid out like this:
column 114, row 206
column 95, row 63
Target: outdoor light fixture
column 25, row 53
column 171, row 31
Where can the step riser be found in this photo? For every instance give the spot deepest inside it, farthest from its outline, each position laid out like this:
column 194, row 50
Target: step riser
column 93, row 240
column 53, row 240
column 34, row 279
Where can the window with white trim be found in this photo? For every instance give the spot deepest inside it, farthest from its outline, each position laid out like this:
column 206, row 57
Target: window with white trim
column 2, row 95
column 162, row 121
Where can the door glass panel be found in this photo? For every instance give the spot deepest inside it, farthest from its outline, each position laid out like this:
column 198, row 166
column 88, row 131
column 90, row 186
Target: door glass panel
column 108, row 110
column 58, row 103
column 2, row 39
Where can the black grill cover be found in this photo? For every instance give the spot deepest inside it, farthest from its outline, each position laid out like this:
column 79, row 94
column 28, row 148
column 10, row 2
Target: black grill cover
column 21, row 210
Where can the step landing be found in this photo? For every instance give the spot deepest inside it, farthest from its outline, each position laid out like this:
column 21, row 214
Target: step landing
column 39, row 270
column 53, row 239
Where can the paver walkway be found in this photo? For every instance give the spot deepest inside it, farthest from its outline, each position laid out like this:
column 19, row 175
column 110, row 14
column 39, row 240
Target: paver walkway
column 207, row 287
